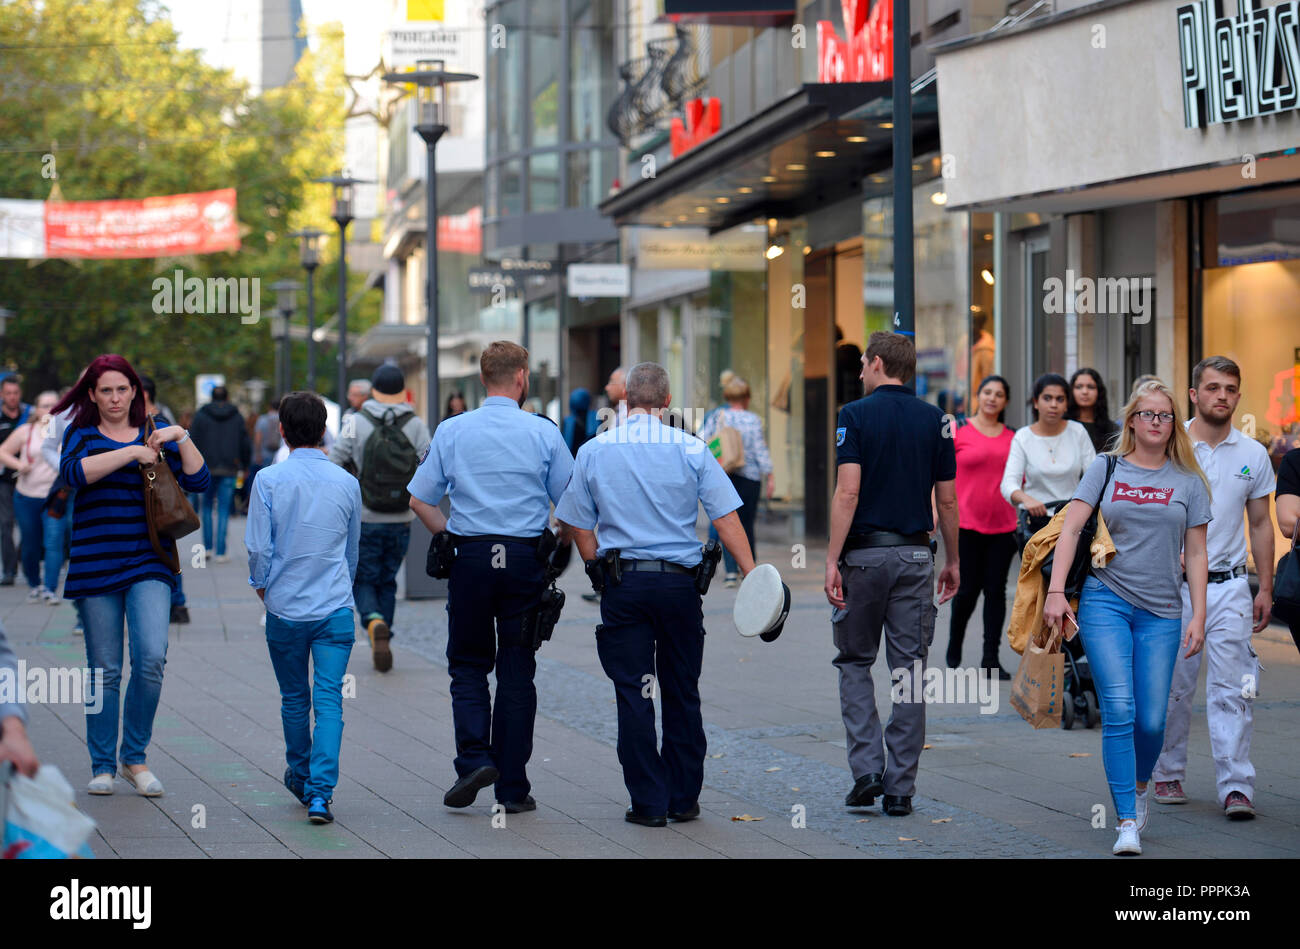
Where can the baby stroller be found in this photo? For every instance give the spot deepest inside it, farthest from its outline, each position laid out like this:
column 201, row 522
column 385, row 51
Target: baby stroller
column 1081, row 703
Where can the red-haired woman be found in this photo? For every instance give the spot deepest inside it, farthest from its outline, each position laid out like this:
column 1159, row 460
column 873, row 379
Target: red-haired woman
column 114, row 570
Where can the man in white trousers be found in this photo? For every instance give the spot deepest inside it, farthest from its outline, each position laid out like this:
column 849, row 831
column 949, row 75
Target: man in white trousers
column 1241, row 479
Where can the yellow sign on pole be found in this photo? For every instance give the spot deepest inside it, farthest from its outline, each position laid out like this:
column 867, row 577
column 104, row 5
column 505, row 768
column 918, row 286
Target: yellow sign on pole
column 424, row 10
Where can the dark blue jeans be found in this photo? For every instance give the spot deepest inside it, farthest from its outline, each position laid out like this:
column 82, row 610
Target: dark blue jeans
column 41, row 535
column 312, row 757
column 221, row 492
column 493, row 585
column 379, row 557
column 651, row 639
column 750, row 492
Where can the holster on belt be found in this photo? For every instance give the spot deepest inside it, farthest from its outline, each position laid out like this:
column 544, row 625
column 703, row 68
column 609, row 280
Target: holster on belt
column 708, row 566
column 442, row 553
column 539, row 622
column 612, row 568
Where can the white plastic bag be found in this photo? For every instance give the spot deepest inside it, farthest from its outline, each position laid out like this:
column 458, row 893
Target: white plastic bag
column 41, row 820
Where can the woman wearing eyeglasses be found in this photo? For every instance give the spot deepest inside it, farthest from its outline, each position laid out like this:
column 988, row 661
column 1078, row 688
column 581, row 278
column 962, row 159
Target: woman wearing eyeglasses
column 1155, row 505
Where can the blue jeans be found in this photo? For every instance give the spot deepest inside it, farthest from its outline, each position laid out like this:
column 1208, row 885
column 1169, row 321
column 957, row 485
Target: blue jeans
column 145, row 606
column 380, row 555
column 1131, row 652
column 222, row 492
column 313, row 758
column 40, row 534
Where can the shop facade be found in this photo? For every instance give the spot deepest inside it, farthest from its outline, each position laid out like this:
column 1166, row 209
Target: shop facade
column 1142, row 194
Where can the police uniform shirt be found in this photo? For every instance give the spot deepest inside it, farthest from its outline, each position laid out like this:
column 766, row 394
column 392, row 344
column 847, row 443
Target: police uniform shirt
column 904, row 445
column 499, row 464
column 642, row 483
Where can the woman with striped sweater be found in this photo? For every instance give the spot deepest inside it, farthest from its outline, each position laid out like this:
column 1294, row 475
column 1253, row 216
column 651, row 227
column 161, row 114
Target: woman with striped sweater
column 114, row 570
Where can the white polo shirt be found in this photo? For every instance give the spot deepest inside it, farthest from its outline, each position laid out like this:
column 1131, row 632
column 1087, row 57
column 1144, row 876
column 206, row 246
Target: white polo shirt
column 1239, row 471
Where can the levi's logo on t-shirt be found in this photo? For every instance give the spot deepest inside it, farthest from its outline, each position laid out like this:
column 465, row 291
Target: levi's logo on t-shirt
column 1140, row 494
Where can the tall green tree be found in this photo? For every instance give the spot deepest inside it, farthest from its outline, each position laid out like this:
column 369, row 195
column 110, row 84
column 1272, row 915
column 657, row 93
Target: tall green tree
column 104, row 87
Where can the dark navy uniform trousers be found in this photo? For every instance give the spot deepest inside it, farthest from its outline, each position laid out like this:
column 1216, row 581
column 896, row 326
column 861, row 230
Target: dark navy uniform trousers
column 492, row 585
column 653, row 626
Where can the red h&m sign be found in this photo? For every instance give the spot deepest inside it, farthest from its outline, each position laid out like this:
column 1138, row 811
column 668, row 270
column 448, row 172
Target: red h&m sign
column 868, row 54
column 703, row 119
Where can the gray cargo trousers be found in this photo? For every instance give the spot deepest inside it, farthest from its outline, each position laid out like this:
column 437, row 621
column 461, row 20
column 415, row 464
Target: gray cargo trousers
column 891, row 587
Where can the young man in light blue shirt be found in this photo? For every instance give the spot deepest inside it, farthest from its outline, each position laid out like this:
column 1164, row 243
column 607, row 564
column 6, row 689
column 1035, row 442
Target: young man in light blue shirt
column 304, row 528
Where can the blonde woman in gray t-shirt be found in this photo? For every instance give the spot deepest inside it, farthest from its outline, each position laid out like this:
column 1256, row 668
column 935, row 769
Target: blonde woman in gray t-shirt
column 1155, row 505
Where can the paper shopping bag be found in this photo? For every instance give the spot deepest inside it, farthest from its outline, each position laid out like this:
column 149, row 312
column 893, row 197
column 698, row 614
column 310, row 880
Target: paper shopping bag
column 1039, row 684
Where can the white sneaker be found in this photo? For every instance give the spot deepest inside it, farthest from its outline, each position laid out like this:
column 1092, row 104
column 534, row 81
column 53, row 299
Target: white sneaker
column 101, row 784
column 51, row 598
column 35, row 593
column 222, row 558
column 1142, row 801
column 1127, row 843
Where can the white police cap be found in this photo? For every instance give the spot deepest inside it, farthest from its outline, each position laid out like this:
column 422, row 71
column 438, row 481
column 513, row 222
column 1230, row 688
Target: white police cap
column 762, row 604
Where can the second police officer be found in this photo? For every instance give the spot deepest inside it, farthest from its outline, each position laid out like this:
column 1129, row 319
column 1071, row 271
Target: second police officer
column 633, row 503
column 500, row 466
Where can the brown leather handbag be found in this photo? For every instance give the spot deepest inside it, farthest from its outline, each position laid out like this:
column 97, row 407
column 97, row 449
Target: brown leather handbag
column 166, row 508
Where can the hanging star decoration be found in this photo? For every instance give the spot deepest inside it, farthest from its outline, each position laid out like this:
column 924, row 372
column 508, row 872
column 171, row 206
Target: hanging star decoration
column 367, row 89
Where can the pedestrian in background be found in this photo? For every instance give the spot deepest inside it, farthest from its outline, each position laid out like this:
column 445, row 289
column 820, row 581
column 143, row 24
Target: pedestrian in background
column 221, row 436
column 580, row 424
column 640, row 495
column 1046, row 459
column 893, row 450
column 502, row 468
column 41, row 534
column 1288, row 513
column 13, row 412
column 749, row 477
column 1241, row 479
column 987, row 535
column 358, row 392
column 384, row 445
column 1090, row 407
column 455, row 405
column 1131, row 610
column 302, row 536
column 616, row 393
column 114, row 569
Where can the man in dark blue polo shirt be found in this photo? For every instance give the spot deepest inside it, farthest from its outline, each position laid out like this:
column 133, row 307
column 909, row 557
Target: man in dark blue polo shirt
column 892, row 449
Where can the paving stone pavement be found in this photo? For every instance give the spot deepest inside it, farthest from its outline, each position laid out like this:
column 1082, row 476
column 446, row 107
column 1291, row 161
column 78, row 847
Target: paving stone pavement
column 988, row 784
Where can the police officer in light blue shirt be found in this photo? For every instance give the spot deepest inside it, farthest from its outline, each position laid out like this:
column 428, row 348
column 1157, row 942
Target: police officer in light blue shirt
column 502, row 468
column 633, row 501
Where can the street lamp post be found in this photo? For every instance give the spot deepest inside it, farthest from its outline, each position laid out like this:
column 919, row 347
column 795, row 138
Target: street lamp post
column 342, row 214
column 286, row 301
column 431, row 80
column 904, row 266
column 5, row 316
column 310, row 252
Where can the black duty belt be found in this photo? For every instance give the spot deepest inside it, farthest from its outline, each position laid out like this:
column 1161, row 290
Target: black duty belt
column 498, row 539
column 886, row 539
column 1223, row 576
column 654, row 566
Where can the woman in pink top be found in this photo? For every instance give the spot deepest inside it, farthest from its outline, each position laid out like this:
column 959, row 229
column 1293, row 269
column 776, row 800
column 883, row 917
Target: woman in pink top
column 39, row 531
column 987, row 534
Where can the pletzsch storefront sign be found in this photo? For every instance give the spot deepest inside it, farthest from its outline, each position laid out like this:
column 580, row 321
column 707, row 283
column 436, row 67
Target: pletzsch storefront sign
column 866, row 55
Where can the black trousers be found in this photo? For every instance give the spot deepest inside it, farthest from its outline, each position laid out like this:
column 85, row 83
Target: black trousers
column 492, row 585
column 651, row 644
column 749, row 491
column 985, row 559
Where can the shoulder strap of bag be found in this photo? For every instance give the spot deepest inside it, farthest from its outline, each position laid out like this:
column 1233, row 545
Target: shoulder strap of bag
column 170, row 557
column 1111, row 462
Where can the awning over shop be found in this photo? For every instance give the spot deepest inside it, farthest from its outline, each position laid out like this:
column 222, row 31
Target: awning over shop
column 810, row 149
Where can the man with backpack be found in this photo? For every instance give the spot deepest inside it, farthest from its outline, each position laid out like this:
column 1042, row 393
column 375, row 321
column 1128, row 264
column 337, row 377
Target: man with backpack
column 385, row 441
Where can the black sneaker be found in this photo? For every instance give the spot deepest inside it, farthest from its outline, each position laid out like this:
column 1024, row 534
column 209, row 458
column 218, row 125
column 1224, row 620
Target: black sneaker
column 180, row 614
column 6, row 581
column 318, row 811
column 294, row 787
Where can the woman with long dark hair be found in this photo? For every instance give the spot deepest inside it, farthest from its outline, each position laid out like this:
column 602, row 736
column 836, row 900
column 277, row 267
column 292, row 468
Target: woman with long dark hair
column 114, row 571
column 1090, row 408
column 1155, row 505
column 1047, row 458
column 986, row 536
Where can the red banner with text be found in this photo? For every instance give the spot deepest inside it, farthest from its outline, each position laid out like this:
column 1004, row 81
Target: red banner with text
column 166, row 226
